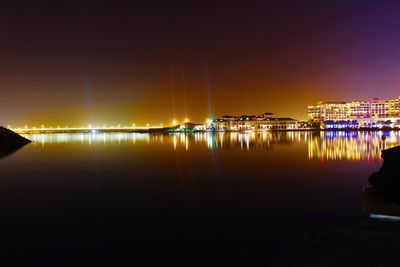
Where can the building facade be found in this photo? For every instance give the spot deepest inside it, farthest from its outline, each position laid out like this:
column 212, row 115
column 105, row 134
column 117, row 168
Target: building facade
column 379, row 108
column 263, row 122
column 394, row 107
column 374, row 113
column 336, row 111
column 326, row 111
column 359, row 109
column 316, row 113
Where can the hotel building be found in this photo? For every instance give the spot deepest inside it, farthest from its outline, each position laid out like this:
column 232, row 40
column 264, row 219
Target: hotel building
column 326, row 111
column 379, row 108
column 394, row 106
column 373, row 113
column 359, row 109
column 263, row 122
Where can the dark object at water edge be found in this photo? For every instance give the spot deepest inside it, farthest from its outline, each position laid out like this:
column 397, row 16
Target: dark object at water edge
column 10, row 142
column 343, row 241
column 387, row 180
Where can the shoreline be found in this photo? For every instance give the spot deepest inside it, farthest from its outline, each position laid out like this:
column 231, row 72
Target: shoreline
column 168, row 131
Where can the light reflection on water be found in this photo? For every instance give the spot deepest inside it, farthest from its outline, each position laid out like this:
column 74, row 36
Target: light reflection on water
column 353, row 146
column 124, row 191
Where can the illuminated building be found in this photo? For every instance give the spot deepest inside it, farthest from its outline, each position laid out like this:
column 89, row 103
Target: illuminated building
column 316, row 113
column 376, row 113
column 328, row 111
column 278, row 123
column 359, row 109
column 336, row 111
column 223, row 123
column 394, row 107
column 186, row 126
column 379, row 108
column 261, row 122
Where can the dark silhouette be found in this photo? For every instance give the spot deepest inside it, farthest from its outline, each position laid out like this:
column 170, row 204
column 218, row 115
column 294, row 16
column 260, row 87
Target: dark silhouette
column 10, row 142
column 387, row 180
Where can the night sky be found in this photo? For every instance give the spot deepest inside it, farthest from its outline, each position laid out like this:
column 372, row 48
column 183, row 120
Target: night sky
column 77, row 62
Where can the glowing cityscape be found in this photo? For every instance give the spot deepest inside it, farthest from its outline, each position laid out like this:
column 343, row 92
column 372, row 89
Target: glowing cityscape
column 324, row 146
column 374, row 114
column 200, row 133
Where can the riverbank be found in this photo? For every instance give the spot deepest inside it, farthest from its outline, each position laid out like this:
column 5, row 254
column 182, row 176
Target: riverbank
column 166, row 130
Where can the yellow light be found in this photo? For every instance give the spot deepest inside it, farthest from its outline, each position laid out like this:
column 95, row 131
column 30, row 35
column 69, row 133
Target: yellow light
column 174, row 122
column 186, row 120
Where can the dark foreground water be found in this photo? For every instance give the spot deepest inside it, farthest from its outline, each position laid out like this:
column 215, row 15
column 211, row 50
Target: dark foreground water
column 201, row 199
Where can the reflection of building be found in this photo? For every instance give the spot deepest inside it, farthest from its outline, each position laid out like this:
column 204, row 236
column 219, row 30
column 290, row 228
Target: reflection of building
column 261, row 122
column 322, row 146
column 350, row 146
column 374, row 113
column 247, row 140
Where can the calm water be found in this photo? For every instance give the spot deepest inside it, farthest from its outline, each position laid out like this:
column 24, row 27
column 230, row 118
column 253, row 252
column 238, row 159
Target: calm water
column 235, row 198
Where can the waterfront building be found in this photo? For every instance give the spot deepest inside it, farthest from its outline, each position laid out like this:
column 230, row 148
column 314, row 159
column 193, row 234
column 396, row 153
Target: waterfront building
column 336, row 111
column 186, row 126
column 376, row 113
column 201, row 127
column 359, row 109
column 394, row 107
column 261, row 122
column 316, row 113
column 278, row 124
column 379, row 108
column 328, row 111
column 222, row 124
column 244, row 123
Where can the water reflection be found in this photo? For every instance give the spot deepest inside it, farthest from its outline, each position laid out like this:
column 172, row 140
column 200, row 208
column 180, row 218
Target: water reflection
column 354, row 146
column 7, row 150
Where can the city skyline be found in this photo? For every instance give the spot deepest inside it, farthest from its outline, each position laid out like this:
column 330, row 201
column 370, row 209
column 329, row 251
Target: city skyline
column 155, row 61
column 199, row 132
column 355, row 109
